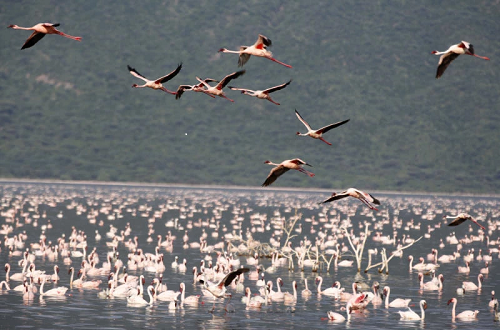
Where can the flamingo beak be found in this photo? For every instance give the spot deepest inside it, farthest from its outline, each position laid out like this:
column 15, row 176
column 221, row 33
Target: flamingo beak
column 449, row 301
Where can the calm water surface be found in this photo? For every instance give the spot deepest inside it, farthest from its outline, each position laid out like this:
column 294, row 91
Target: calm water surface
column 196, row 211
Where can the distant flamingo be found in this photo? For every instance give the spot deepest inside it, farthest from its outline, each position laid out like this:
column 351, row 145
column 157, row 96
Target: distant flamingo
column 470, row 286
column 257, row 49
column 366, row 198
column 463, row 315
column 217, row 89
column 462, row 217
column 157, row 83
column 56, row 292
column 411, row 315
column 40, row 30
column 195, row 88
column 262, row 94
column 317, row 134
column 290, row 164
column 452, row 53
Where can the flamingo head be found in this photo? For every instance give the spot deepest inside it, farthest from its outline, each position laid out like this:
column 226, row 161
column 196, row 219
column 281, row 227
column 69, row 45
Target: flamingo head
column 298, row 133
column 222, row 50
column 452, row 300
column 384, row 292
column 143, row 280
column 280, row 282
column 7, row 267
column 317, row 280
column 135, row 85
column 109, row 284
column 481, row 277
column 424, row 304
column 57, row 269
column 79, row 273
column 267, row 162
column 12, row 26
column 72, row 269
column 434, row 52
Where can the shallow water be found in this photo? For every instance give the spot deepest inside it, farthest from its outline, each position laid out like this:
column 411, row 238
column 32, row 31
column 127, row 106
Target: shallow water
column 68, row 206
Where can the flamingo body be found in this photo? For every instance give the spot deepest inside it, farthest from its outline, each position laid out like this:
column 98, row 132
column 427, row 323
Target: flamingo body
column 283, row 167
column 452, row 53
column 39, row 31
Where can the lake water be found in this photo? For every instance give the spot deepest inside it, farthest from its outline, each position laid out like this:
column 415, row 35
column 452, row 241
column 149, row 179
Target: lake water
column 30, row 208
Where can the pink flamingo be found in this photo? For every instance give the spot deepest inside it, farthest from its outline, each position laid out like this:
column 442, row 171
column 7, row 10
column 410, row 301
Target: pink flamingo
column 157, row 83
column 195, row 88
column 452, row 53
column 465, row 314
column 259, row 48
column 317, row 134
column 284, row 166
column 40, row 30
column 462, row 217
column 217, row 89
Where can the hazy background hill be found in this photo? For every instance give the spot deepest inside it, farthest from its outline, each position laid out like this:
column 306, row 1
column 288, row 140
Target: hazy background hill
column 67, row 109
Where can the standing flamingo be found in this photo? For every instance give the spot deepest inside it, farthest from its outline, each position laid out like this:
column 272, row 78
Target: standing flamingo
column 366, row 198
column 263, row 94
column 465, row 314
column 217, row 89
column 462, row 217
column 284, row 166
column 257, row 49
column 452, row 53
column 157, row 83
column 40, row 30
column 317, row 134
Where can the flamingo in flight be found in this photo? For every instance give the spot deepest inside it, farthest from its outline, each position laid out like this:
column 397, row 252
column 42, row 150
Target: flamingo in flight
column 217, row 89
column 452, row 53
column 462, row 217
column 219, row 289
column 290, row 164
column 317, row 134
column 195, row 88
column 39, row 31
column 366, row 198
column 264, row 94
column 259, row 48
column 157, row 83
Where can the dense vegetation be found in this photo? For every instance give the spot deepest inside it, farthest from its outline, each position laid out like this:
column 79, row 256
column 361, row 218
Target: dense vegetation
column 67, row 109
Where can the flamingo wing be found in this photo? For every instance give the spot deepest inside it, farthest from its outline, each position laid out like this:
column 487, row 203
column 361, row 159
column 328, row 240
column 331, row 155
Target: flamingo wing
column 331, row 126
column 170, row 75
column 444, row 61
column 274, row 174
column 229, row 77
column 33, row 39
column 457, row 221
column 232, row 275
column 181, row 89
column 243, row 58
column 334, row 197
column 277, row 88
column 263, row 40
column 302, row 120
column 135, row 73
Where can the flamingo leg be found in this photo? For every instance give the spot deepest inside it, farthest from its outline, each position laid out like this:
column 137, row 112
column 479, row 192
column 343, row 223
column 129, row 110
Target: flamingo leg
column 325, row 141
column 68, row 36
column 227, row 98
column 481, row 57
column 167, row 91
column 368, row 204
column 275, row 60
column 225, row 307
column 477, row 223
column 271, row 100
column 306, row 172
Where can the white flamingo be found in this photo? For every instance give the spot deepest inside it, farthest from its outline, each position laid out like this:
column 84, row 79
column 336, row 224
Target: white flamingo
column 364, row 197
column 137, row 300
column 318, row 133
column 411, row 315
column 262, row 94
column 398, row 302
column 470, row 286
column 336, row 317
column 56, row 292
column 217, row 89
column 157, row 83
column 463, row 315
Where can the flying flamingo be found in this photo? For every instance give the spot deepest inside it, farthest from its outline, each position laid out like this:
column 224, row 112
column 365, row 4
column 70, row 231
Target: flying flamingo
column 217, row 89
column 195, row 88
column 257, row 49
column 317, row 134
column 462, row 217
column 40, row 30
column 264, row 94
column 411, row 315
column 289, row 164
column 366, row 198
column 219, row 289
column 157, row 83
column 465, row 314
column 452, row 53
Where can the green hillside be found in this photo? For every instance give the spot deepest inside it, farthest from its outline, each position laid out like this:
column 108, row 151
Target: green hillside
column 67, row 109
